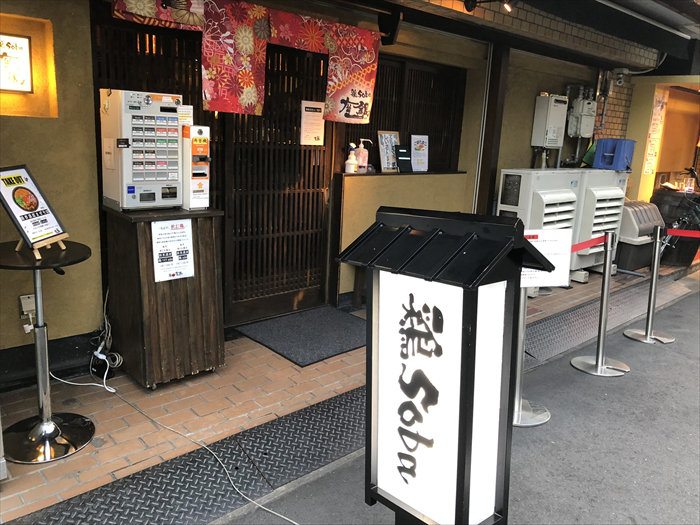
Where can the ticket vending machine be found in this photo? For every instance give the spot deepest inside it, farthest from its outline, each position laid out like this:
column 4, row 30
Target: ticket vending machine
column 141, row 149
column 195, row 166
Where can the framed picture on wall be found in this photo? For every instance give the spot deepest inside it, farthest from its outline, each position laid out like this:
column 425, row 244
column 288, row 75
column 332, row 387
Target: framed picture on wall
column 387, row 154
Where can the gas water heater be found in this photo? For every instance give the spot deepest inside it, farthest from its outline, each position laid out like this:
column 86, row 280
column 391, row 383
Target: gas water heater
column 550, row 121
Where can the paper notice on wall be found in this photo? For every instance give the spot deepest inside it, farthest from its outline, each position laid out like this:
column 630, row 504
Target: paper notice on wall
column 172, row 249
column 312, row 123
column 555, row 245
column 656, row 129
column 185, row 115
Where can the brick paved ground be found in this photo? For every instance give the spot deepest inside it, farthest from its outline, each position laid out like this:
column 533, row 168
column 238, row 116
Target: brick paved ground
column 256, row 385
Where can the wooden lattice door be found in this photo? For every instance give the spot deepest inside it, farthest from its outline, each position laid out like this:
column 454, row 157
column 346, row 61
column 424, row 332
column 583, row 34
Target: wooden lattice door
column 275, row 241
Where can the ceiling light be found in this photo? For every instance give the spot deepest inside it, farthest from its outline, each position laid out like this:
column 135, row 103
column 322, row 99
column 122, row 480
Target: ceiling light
column 470, row 5
column 508, row 5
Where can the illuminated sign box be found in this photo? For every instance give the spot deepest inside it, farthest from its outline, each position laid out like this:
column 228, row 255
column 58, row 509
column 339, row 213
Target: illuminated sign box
column 27, row 68
column 443, row 311
column 15, row 63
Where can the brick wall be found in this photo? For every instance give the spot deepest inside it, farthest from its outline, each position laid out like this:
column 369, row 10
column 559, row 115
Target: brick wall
column 539, row 25
column 617, row 112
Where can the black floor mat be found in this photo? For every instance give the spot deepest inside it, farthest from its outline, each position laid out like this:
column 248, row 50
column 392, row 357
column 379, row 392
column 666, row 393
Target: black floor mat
column 309, row 336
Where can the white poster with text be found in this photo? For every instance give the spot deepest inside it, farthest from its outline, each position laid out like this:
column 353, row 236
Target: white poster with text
column 555, row 245
column 172, row 249
column 312, row 123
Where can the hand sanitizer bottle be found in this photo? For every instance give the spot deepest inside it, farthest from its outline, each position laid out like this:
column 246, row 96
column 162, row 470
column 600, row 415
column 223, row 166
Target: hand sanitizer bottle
column 351, row 163
column 362, row 155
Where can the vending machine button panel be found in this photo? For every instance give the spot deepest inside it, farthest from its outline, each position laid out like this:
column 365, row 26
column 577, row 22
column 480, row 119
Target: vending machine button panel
column 143, row 131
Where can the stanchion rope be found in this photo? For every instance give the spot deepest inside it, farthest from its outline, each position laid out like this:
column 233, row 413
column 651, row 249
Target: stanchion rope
column 683, row 233
column 587, row 244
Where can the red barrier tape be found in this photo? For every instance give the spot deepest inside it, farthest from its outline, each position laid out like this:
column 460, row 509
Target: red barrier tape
column 684, row 233
column 587, row 244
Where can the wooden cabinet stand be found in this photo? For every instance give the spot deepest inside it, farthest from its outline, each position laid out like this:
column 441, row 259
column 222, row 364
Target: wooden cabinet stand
column 170, row 329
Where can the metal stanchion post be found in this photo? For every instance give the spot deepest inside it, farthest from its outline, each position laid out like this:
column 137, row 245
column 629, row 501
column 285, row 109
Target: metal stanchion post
column 599, row 365
column 649, row 336
column 525, row 414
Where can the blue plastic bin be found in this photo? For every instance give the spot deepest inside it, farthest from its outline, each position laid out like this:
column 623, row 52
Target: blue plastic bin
column 613, row 154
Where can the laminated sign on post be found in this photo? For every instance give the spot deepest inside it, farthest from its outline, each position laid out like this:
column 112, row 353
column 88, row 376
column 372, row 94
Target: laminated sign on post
column 442, row 294
column 29, row 210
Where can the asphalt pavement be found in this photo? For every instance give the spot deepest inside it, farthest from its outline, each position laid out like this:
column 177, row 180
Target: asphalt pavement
column 616, row 450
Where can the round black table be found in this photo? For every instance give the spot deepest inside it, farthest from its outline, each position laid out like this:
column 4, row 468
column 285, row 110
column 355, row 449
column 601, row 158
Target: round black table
column 48, row 436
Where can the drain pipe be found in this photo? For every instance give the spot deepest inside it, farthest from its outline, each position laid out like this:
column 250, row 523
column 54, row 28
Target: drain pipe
column 602, row 78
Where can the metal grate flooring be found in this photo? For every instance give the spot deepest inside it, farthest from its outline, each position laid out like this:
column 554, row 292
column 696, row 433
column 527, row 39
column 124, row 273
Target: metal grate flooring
column 193, row 488
column 572, row 328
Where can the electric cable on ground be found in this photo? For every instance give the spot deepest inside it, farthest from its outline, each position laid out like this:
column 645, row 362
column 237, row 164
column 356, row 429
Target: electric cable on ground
column 200, row 443
column 114, row 360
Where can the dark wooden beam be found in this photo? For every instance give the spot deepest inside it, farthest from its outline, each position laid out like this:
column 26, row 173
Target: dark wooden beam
column 498, row 78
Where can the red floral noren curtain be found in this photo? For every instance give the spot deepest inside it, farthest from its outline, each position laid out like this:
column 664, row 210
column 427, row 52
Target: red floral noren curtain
column 233, row 56
column 352, row 61
column 183, row 14
column 235, row 36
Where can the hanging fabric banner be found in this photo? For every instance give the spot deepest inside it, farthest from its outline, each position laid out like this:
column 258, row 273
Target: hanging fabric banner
column 352, row 61
column 234, row 40
column 233, row 56
column 182, row 14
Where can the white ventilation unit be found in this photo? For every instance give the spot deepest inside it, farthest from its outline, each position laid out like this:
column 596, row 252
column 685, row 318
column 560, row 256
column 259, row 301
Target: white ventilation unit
column 542, row 199
column 556, row 208
column 589, row 201
column 601, row 202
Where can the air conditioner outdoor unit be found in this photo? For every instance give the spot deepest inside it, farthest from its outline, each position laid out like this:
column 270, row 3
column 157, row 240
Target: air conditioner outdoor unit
column 541, row 198
column 589, row 201
column 544, row 199
column 601, row 201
